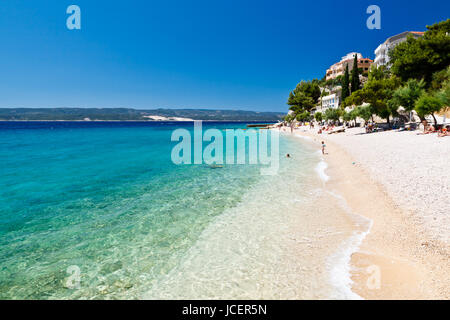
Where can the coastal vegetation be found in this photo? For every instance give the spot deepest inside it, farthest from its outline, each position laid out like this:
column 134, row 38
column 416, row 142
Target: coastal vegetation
column 318, row 116
column 377, row 93
column 421, row 58
column 332, row 114
column 345, row 84
column 128, row 114
column 407, row 95
column 304, row 97
column 417, row 79
column 330, row 83
column 428, row 104
column 355, row 83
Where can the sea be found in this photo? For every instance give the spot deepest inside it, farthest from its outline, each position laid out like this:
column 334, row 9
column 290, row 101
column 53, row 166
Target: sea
column 99, row 210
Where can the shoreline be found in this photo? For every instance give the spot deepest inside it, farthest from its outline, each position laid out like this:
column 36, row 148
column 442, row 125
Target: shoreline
column 392, row 261
column 272, row 244
column 146, row 121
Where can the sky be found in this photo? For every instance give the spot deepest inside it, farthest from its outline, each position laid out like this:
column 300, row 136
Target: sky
column 213, row 54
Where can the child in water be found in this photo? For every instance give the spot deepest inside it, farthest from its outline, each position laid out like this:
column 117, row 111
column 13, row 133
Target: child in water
column 323, row 147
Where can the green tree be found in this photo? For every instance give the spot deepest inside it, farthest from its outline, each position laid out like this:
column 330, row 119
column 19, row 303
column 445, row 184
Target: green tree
column 377, row 93
column 334, row 82
column 312, row 89
column 407, row 95
column 300, row 102
column 353, row 115
column 332, row 114
column 355, row 85
column 421, row 58
column 444, row 94
column 428, row 104
column 304, row 97
column 287, row 118
column 364, row 113
column 440, row 78
column 346, row 116
column 378, row 73
column 324, row 93
column 443, row 87
column 349, row 116
column 318, row 116
column 444, row 97
column 304, row 116
column 345, row 85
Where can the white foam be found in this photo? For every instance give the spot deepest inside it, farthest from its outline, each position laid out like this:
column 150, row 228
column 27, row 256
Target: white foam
column 320, row 169
column 340, row 272
column 303, row 137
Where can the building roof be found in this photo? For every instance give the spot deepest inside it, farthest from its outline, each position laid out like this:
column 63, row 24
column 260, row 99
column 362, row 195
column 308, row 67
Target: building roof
column 404, row 34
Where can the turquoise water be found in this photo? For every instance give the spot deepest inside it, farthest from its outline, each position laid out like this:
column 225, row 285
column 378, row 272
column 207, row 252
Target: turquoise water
column 103, row 197
column 106, row 199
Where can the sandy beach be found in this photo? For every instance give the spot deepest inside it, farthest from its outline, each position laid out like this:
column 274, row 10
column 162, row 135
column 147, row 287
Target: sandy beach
column 399, row 180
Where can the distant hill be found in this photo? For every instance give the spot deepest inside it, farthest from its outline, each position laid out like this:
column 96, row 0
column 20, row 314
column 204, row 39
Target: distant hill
column 125, row 114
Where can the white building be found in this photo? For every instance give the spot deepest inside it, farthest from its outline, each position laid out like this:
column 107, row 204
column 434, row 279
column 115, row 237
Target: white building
column 350, row 56
column 329, row 102
column 338, row 68
column 382, row 52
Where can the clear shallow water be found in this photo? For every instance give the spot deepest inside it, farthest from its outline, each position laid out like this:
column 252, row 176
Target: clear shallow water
column 105, row 197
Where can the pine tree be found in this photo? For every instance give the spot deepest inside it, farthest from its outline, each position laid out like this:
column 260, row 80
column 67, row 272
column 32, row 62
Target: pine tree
column 345, row 85
column 355, row 75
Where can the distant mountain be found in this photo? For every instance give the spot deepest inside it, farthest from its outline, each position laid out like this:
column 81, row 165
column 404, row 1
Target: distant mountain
column 124, row 114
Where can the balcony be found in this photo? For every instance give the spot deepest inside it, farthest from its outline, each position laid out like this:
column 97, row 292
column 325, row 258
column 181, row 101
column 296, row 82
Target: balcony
column 380, row 50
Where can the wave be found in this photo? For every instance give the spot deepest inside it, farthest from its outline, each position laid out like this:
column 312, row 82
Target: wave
column 320, row 169
column 340, row 271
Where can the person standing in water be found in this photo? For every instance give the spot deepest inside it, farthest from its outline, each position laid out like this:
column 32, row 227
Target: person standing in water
column 323, row 147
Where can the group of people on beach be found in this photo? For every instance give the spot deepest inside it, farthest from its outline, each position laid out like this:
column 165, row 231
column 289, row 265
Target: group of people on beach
column 442, row 130
column 370, row 127
column 329, row 127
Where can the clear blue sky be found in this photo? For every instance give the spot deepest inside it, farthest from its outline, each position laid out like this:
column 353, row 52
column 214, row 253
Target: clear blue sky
column 186, row 54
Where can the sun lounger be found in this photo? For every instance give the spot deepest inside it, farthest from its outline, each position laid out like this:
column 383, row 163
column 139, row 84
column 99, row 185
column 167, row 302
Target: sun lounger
column 337, row 131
